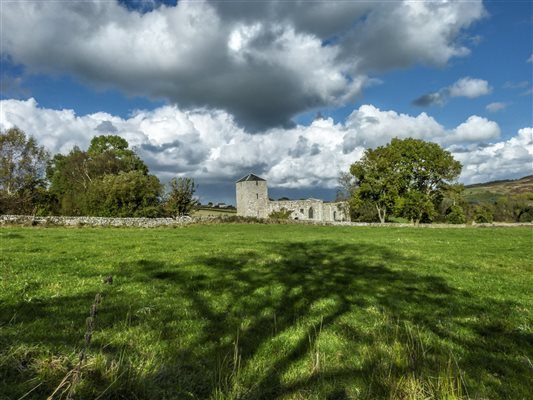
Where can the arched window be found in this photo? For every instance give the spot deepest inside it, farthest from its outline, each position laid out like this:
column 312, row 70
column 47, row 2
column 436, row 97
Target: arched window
column 334, row 215
column 310, row 212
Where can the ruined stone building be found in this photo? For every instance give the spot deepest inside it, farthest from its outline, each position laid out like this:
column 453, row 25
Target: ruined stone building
column 253, row 201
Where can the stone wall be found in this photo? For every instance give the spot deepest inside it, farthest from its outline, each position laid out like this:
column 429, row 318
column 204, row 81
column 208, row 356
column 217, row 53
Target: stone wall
column 311, row 210
column 90, row 221
column 28, row 220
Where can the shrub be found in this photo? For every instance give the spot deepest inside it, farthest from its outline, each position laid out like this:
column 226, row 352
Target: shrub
column 483, row 214
column 282, row 213
column 455, row 215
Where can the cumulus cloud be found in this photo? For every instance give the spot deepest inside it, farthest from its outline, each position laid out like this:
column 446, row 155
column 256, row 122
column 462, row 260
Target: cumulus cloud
column 474, row 129
column 369, row 126
column 507, row 159
column 496, row 106
column 464, row 87
column 263, row 62
column 209, row 146
column 469, row 87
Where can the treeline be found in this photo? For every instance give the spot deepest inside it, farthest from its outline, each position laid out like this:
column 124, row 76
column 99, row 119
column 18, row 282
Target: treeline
column 415, row 181
column 108, row 179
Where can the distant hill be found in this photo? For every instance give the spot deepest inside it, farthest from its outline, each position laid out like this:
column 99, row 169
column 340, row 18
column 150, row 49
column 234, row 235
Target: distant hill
column 491, row 191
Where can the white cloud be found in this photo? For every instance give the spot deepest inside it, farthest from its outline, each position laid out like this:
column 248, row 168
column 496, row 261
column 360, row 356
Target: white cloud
column 263, row 62
column 469, row 87
column 464, row 87
column 512, row 158
column 474, row 129
column 496, row 106
column 530, row 59
column 209, row 146
column 368, row 126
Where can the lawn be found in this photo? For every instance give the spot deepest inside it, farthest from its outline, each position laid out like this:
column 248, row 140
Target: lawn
column 267, row 312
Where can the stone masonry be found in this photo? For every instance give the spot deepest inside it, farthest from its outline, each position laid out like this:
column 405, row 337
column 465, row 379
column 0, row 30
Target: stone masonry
column 252, row 201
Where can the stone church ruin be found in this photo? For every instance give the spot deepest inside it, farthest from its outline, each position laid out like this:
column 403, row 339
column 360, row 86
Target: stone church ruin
column 253, row 201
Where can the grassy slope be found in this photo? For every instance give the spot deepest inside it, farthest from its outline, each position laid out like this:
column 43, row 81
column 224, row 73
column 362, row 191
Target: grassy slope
column 492, row 191
column 254, row 311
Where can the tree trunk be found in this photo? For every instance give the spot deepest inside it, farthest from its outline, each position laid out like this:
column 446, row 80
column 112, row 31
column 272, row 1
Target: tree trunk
column 381, row 214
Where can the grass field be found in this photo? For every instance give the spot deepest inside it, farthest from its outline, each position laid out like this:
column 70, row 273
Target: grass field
column 267, row 312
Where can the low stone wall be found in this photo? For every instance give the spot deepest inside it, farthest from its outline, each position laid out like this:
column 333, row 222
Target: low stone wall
column 28, row 220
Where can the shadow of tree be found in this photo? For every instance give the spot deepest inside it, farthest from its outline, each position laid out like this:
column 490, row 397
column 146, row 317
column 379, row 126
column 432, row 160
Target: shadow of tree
column 237, row 324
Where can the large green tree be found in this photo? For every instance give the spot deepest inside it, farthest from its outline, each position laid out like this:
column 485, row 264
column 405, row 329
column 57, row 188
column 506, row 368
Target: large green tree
column 407, row 177
column 77, row 176
column 22, row 165
column 126, row 194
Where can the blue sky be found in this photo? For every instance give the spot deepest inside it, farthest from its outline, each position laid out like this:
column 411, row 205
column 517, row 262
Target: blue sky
column 214, row 90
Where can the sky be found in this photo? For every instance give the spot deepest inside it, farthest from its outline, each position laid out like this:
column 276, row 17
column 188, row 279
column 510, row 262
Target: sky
column 293, row 91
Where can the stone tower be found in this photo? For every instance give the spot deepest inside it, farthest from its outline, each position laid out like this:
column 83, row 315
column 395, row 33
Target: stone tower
column 252, row 197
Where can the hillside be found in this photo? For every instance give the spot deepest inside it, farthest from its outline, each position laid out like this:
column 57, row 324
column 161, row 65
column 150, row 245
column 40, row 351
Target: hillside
column 491, row 191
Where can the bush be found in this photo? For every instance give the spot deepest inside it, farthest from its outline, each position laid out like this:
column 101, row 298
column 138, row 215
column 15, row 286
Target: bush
column 455, row 215
column 483, row 214
column 282, row 213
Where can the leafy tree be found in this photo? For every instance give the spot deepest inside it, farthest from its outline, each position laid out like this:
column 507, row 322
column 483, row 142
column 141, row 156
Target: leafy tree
column 378, row 181
column 111, row 155
column 455, row 215
column 347, row 186
column 126, row 194
column 72, row 175
column 22, row 165
column 416, row 206
column 180, row 199
column 406, row 176
column 452, row 202
column 69, row 181
column 362, row 210
column 484, row 213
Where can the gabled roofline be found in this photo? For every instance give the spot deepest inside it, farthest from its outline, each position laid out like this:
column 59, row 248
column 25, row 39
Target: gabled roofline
column 250, row 177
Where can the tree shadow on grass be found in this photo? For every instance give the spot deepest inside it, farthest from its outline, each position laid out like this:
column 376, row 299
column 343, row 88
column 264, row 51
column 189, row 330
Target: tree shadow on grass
column 291, row 284
column 246, row 324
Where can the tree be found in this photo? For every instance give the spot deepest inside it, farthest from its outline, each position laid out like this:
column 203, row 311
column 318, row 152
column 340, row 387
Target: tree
column 377, row 180
column 73, row 174
column 126, row 194
column 22, row 165
column 179, row 199
column 484, row 213
column 111, row 155
column 455, row 215
column 406, row 176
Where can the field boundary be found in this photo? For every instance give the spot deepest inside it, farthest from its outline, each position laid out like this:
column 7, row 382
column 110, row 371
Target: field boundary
column 29, row 220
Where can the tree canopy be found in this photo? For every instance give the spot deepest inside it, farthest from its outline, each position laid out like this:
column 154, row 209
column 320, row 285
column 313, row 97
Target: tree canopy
column 22, row 165
column 179, row 199
column 108, row 179
column 406, row 177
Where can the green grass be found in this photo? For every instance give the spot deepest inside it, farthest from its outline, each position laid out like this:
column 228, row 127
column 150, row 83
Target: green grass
column 268, row 312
